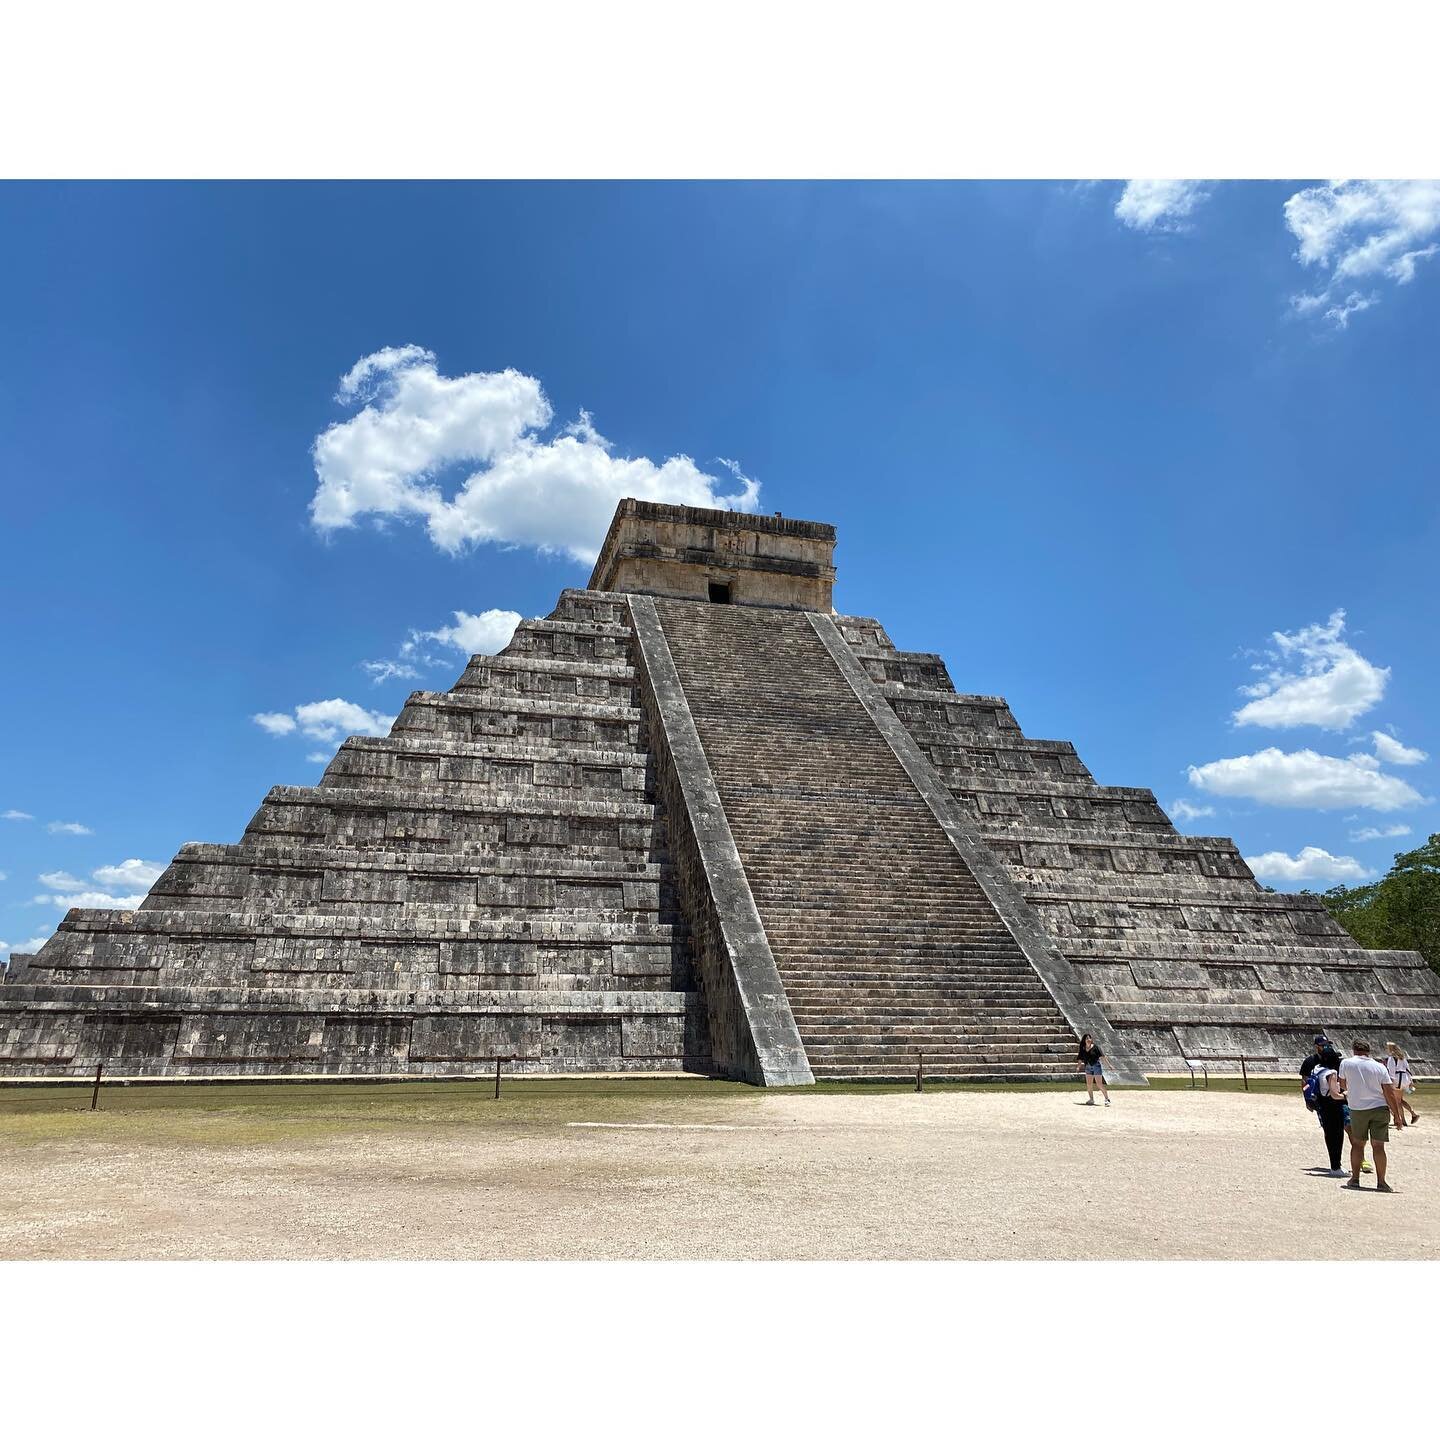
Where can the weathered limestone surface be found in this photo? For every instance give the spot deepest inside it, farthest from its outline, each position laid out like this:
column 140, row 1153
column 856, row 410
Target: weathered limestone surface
column 683, row 552
column 888, row 946
column 753, row 1029
column 491, row 879
column 721, row 829
column 1169, row 933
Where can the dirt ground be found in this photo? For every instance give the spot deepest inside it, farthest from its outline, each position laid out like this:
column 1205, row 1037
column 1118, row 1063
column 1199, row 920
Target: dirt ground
column 694, row 1171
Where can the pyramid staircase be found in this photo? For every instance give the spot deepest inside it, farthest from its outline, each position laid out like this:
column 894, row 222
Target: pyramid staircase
column 887, row 945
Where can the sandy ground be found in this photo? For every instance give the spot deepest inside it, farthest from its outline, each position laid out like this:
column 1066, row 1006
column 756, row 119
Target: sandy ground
column 1162, row 1175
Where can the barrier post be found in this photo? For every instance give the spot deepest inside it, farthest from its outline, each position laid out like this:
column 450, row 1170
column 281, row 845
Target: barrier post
column 95, row 1093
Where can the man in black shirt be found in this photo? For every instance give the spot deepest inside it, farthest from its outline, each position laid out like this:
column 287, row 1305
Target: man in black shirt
column 1312, row 1059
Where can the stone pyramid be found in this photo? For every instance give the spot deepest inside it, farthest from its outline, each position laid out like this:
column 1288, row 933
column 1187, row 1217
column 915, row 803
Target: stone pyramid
column 696, row 820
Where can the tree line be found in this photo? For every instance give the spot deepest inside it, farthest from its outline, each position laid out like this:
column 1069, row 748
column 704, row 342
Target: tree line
column 1401, row 911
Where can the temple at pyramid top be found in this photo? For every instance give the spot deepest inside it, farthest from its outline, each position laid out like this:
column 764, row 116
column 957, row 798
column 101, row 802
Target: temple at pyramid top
column 724, row 556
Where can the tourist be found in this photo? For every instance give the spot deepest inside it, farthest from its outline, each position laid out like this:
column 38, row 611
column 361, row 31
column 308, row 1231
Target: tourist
column 1313, row 1058
column 1088, row 1059
column 1330, row 1106
column 1399, row 1069
column 1367, row 1089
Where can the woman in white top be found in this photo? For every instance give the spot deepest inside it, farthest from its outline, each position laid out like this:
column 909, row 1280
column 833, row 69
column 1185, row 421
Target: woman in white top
column 1400, row 1078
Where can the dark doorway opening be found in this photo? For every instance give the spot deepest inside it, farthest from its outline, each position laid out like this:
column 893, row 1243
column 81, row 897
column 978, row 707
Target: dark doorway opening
column 719, row 593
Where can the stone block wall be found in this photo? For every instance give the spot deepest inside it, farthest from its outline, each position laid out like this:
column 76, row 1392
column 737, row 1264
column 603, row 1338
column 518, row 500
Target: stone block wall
column 1185, row 954
column 492, row 877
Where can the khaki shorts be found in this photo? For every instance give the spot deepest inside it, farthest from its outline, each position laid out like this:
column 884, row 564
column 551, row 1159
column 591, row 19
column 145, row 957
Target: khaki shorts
column 1372, row 1125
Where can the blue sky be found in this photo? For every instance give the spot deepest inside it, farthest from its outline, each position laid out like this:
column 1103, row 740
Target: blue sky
column 1095, row 444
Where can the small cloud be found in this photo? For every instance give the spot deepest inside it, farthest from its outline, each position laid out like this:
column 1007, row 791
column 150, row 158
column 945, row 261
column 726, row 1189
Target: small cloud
column 1158, row 204
column 1303, row 779
column 126, row 885
column 1312, row 863
column 91, row 900
column 484, row 634
column 68, row 827
column 487, row 633
column 1352, row 304
column 1393, row 752
column 129, row 874
column 1385, row 832
column 275, row 722
column 326, row 720
column 332, row 719
column 1183, row 809
column 25, row 947
column 61, row 880
column 1312, row 677
column 380, row 671
column 319, row 757
column 16, row 815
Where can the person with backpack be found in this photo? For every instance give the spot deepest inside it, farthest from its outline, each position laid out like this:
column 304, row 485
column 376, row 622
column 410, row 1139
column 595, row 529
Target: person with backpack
column 1323, row 1095
column 1308, row 1064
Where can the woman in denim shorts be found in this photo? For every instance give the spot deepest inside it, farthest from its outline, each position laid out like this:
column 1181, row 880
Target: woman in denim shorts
column 1088, row 1059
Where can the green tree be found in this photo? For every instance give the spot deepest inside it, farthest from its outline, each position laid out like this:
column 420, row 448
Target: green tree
column 1399, row 912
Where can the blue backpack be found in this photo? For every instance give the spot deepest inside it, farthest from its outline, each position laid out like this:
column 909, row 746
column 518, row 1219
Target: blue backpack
column 1316, row 1086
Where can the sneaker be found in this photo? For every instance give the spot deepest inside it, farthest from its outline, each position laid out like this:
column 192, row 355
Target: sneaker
column 1366, row 1167
column 1384, row 1188
column 1089, row 1102
column 1335, row 1174
column 1107, row 1099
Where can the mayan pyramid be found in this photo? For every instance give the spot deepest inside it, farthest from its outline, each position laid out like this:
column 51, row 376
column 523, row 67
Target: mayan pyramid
column 696, row 820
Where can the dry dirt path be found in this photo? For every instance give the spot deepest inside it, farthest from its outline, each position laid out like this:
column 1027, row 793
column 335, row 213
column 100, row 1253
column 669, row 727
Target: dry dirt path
column 1163, row 1175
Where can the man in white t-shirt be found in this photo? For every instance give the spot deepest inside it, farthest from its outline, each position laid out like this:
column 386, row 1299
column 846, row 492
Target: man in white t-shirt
column 1367, row 1087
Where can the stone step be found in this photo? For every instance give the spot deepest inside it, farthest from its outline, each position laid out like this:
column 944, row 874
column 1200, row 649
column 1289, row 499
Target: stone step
column 820, row 808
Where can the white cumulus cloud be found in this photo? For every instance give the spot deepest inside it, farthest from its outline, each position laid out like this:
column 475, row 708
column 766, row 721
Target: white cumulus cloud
column 275, row 722
column 125, row 886
column 1158, row 204
column 1183, row 810
column 326, row 720
column 1312, row 677
column 25, row 947
column 487, row 633
column 68, row 827
column 1382, row 832
column 484, row 634
column 61, row 880
column 520, row 488
column 1312, row 863
column 1360, row 232
column 16, row 815
column 130, row 874
column 1392, row 752
column 380, row 671
column 1303, row 779
column 92, row 900
column 331, row 719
